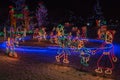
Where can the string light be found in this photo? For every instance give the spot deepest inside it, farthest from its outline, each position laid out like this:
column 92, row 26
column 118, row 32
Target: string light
column 10, row 48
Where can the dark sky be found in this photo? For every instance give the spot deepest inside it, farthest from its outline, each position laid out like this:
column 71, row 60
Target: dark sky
column 110, row 8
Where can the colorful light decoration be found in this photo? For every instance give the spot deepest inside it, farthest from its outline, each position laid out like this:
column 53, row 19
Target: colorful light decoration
column 19, row 16
column 102, row 32
column 107, row 53
column 12, row 17
column 43, row 33
column 52, row 37
column 76, row 46
column 10, row 48
column 40, row 35
column 63, row 52
column 85, row 56
column 18, row 39
column 18, row 4
column 85, row 53
column 59, row 31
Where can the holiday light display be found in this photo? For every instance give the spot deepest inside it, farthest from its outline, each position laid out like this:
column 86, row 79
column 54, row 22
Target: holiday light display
column 107, row 53
column 41, row 14
column 98, row 23
column 84, row 52
column 10, row 48
column 12, row 17
column 51, row 37
column 40, row 34
column 68, row 42
column 56, row 33
column 63, row 52
column 69, row 36
column 109, row 36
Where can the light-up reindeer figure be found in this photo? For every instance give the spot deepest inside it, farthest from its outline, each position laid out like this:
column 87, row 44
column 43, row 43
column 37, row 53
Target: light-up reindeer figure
column 107, row 53
column 102, row 32
column 53, row 35
column 10, row 48
column 63, row 52
column 59, row 33
column 43, row 32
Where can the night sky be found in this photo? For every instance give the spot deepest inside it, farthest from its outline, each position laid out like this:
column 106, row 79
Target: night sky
column 84, row 8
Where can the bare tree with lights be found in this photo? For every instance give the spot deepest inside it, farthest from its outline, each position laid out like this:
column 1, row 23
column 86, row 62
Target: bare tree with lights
column 18, row 4
column 41, row 14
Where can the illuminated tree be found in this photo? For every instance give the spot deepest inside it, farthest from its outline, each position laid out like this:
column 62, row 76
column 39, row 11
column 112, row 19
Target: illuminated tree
column 18, row 4
column 41, row 14
column 26, row 17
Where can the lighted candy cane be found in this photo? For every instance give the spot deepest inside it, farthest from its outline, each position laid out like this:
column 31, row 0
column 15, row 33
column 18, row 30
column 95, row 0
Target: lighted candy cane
column 60, row 32
column 18, row 4
column 74, row 45
column 69, row 36
column 52, row 36
column 84, row 53
column 98, row 23
column 78, row 34
column 41, row 14
column 43, row 32
column 26, row 17
column 111, row 59
column 84, row 32
column 85, row 56
column 36, row 34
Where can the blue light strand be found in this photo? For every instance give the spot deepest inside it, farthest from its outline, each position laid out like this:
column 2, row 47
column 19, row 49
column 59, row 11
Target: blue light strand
column 55, row 48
